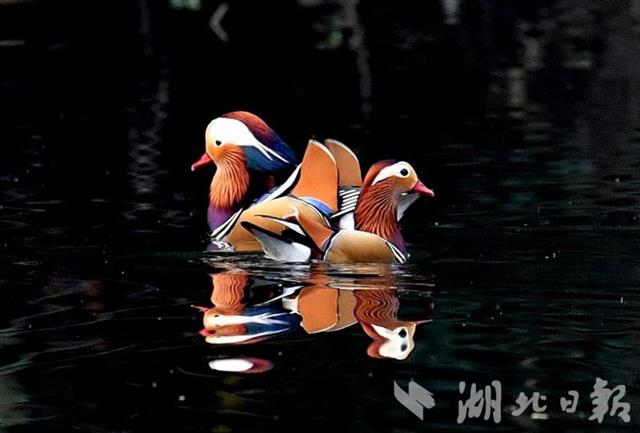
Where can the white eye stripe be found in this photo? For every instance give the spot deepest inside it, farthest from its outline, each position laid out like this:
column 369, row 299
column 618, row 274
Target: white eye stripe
column 231, row 130
column 393, row 170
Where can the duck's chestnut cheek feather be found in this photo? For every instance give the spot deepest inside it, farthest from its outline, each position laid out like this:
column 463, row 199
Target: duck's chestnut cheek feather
column 218, row 152
column 421, row 189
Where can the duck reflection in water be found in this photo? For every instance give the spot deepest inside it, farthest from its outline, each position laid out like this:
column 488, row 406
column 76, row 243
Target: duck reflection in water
column 248, row 310
column 237, row 317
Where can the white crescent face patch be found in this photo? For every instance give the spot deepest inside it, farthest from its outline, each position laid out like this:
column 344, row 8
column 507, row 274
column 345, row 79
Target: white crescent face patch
column 398, row 342
column 223, row 130
column 399, row 169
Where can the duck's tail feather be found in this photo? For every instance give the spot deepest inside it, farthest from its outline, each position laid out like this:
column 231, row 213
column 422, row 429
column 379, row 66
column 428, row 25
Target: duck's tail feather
column 318, row 178
column 349, row 172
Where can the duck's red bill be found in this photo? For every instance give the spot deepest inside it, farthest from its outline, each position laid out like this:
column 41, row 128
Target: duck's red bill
column 204, row 160
column 421, row 189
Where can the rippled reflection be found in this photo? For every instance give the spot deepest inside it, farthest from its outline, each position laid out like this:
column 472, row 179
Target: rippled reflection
column 247, row 309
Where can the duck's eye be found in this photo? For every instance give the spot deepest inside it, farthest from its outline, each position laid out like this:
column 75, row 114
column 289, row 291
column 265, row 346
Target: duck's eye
column 218, row 143
column 404, row 172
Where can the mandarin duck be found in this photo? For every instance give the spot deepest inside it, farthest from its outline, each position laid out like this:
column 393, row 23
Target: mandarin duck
column 249, row 157
column 316, row 189
column 389, row 187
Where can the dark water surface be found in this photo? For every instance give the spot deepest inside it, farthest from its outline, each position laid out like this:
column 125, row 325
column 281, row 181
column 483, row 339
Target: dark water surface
column 524, row 269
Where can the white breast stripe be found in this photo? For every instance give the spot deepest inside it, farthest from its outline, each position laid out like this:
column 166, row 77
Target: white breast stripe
column 343, row 210
column 224, row 229
column 346, row 206
column 348, row 194
column 222, row 226
column 401, row 258
column 348, row 201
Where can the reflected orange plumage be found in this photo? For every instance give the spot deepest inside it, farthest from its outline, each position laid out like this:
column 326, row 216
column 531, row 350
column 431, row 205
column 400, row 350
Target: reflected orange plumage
column 228, row 290
column 377, row 307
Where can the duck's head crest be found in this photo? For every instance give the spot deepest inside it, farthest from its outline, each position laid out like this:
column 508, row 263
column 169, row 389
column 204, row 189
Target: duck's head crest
column 397, row 176
column 262, row 148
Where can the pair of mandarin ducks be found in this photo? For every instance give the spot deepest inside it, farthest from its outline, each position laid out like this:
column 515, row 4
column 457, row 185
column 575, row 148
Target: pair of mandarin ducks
column 323, row 210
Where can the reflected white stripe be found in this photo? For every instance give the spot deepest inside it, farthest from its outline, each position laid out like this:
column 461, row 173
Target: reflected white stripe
column 230, row 365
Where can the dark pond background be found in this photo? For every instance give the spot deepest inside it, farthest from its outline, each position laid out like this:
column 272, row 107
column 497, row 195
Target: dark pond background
column 523, row 116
